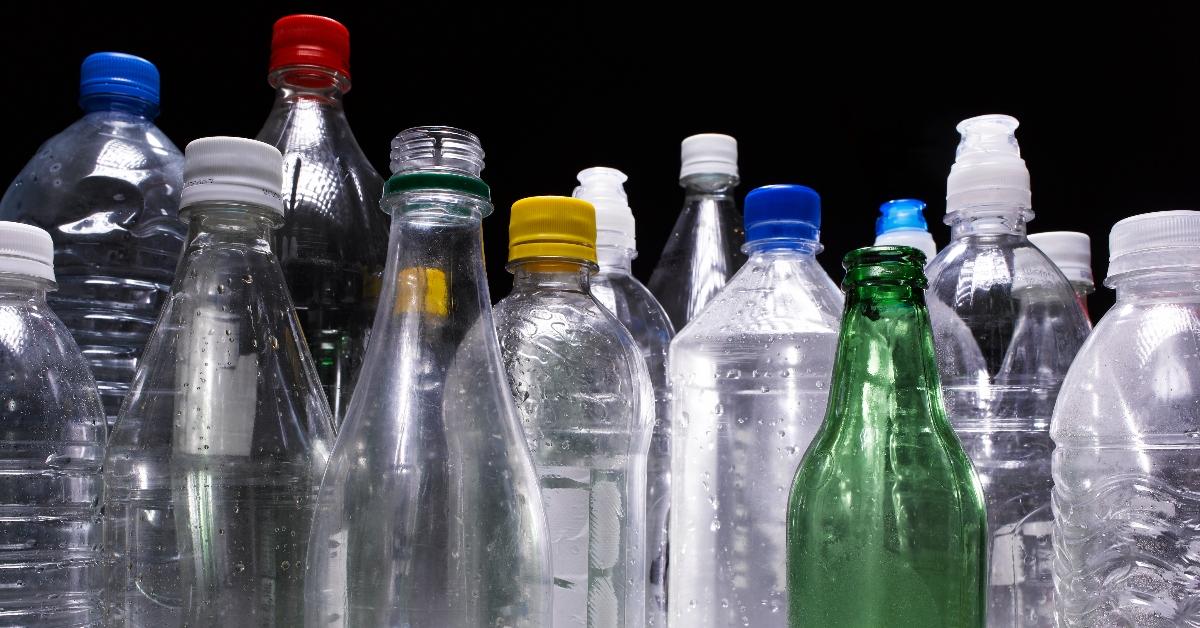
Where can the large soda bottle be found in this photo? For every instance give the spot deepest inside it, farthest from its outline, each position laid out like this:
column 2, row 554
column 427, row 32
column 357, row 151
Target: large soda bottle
column 631, row 302
column 1127, row 430
column 430, row 514
column 107, row 190
column 333, row 242
column 214, row 463
column 1006, row 326
column 749, row 380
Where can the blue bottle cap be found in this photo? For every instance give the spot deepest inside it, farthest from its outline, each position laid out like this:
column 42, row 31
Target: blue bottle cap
column 108, row 76
column 791, row 212
column 903, row 213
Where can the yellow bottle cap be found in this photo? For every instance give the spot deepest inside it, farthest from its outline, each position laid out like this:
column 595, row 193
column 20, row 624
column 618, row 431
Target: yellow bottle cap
column 552, row 226
column 422, row 290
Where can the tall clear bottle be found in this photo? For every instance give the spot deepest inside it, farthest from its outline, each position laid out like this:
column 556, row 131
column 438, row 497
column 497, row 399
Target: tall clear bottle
column 215, row 461
column 52, row 438
column 705, row 247
column 1006, row 326
column 615, row 287
column 749, row 381
column 333, row 242
column 1071, row 252
column 585, row 399
column 1127, row 430
column 886, row 524
column 430, row 514
column 107, row 190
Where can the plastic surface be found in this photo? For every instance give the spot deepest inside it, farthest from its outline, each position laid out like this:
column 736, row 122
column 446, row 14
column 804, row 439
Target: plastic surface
column 552, row 226
column 902, row 223
column 1071, row 251
column 232, row 170
column 26, row 250
column 784, row 212
column 988, row 170
column 604, row 189
column 310, row 40
column 708, row 153
column 1153, row 240
column 108, row 77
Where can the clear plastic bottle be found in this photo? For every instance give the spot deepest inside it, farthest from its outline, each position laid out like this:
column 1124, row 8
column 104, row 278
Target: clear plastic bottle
column 1127, row 430
column 333, row 242
column 586, row 403
column 430, row 514
column 615, row 287
column 107, row 190
column 215, row 460
column 705, row 247
column 1071, row 251
column 901, row 222
column 53, row 445
column 1006, row 327
column 749, row 380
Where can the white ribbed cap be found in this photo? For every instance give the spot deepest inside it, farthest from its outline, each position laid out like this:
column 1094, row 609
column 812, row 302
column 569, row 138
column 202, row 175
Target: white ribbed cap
column 602, row 187
column 988, row 169
column 708, row 153
column 26, row 250
column 1154, row 240
column 234, row 170
column 1071, row 251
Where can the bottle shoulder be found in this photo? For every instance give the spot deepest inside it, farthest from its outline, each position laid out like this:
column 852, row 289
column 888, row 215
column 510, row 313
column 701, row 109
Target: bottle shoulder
column 41, row 367
column 633, row 304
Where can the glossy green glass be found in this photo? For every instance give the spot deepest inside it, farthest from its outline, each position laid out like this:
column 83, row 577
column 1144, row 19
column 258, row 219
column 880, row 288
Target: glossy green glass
column 886, row 524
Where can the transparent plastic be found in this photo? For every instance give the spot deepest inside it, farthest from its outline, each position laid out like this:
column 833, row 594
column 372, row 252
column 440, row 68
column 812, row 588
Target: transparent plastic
column 615, row 287
column 1127, row 429
column 1006, row 326
column 704, row 249
column 749, row 379
column 430, row 514
column 215, row 460
column 585, row 400
column 50, row 479
column 107, row 190
column 333, row 242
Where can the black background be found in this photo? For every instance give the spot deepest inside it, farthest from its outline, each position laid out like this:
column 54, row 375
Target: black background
column 860, row 104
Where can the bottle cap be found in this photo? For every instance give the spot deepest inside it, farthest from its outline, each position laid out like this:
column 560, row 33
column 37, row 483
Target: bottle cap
column 988, row 170
column 26, row 250
column 1169, row 239
column 552, row 226
column 602, row 187
column 310, row 40
column 234, row 170
column 902, row 223
column 783, row 212
column 1071, row 251
column 708, row 153
column 108, row 74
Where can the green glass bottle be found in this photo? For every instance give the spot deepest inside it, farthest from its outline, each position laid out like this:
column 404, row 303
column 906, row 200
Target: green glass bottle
column 886, row 524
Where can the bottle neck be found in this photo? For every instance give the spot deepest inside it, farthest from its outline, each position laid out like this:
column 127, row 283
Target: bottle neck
column 1155, row 284
column 557, row 275
column 709, row 188
column 782, row 247
column 615, row 259
column 988, row 221
column 119, row 103
column 309, row 83
column 23, row 288
column 230, row 224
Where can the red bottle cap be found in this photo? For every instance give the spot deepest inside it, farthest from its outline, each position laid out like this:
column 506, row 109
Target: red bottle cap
column 310, row 40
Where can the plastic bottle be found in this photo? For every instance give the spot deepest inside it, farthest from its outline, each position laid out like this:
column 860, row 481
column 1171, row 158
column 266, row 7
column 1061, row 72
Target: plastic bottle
column 615, row 287
column 1000, row 380
column 216, row 458
column 886, row 524
column 585, row 399
column 902, row 223
column 1126, row 426
column 749, row 379
column 333, row 243
column 1071, row 252
column 704, row 249
column 107, row 190
column 430, row 514
column 53, row 444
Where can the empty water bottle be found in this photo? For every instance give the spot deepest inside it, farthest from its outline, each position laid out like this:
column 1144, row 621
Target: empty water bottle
column 1127, row 430
column 1071, row 251
column 52, row 439
column 107, row 190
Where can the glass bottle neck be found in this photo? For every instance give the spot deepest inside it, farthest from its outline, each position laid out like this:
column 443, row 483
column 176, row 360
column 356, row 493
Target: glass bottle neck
column 615, row 259
column 559, row 275
column 295, row 83
column 988, row 221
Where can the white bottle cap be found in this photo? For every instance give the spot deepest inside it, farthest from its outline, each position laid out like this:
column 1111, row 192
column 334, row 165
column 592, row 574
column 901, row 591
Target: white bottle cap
column 26, row 250
column 232, row 170
column 1071, row 251
column 917, row 238
column 1154, row 240
column 988, row 170
column 602, row 187
column 708, row 153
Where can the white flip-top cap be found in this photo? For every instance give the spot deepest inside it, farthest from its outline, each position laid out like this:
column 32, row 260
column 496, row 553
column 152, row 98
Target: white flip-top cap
column 1154, row 240
column 26, row 250
column 232, row 170
column 988, row 170
column 1071, row 251
column 708, row 153
column 602, row 187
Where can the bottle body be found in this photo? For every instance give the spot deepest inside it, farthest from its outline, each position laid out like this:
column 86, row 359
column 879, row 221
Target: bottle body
column 54, row 433
column 107, row 190
column 749, row 380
